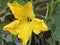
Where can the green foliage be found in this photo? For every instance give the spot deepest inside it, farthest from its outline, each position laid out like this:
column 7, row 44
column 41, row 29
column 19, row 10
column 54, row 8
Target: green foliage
column 56, row 33
column 7, row 43
column 3, row 5
column 11, row 43
column 20, row 2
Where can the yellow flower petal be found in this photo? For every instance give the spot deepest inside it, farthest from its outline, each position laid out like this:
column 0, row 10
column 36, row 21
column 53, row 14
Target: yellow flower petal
column 44, row 26
column 24, row 32
column 21, row 12
column 38, row 25
column 29, row 10
column 17, row 10
column 12, row 27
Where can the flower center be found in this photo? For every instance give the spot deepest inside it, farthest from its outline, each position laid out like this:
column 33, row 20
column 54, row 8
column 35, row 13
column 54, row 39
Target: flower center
column 29, row 19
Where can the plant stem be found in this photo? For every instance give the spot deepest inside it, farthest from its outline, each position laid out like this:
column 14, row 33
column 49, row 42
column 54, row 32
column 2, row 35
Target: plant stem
column 54, row 42
column 56, row 1
column 30, row 40
column 47, row 11
column 38, row 8
column 32, row 1
column 51, row 8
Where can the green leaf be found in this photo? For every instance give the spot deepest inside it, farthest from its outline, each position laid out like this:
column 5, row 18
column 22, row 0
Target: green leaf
column 0, row 42
column 56, row 33
column 7, row 43
column 3, row 41
column 3, row 5
column 20, row 2
column 49, row 40
column 39, row 16
column 3, row 23
column 11, row 43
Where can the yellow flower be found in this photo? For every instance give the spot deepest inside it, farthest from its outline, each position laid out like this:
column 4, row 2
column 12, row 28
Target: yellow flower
column 25, row 22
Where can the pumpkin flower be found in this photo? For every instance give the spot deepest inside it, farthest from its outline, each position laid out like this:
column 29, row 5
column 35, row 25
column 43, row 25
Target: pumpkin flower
column 25, row 22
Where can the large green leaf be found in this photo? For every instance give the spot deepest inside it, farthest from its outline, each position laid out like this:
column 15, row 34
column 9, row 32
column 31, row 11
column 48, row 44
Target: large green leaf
column 56, row 33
